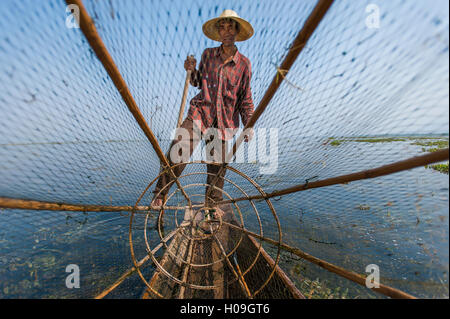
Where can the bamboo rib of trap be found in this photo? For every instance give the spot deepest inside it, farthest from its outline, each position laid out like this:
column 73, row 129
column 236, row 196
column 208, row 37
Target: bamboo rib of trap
column 181, row 247
column 89, row 30
column 296, row 48
column 227, row 265
column 380, row 171
column 410, row 163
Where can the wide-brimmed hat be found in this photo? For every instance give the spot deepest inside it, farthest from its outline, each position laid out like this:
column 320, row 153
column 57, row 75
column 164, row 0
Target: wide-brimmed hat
column 245, row 30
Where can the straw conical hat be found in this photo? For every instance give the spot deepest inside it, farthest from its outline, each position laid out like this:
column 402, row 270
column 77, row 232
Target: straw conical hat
column 245, row 30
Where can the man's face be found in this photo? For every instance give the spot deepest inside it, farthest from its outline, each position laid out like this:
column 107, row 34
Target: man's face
column 227, row 32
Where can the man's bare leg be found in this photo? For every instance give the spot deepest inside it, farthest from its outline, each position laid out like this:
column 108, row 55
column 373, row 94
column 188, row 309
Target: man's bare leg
column 166, row 178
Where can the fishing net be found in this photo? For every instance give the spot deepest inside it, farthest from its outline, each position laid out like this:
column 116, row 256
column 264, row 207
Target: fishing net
column 360, row 95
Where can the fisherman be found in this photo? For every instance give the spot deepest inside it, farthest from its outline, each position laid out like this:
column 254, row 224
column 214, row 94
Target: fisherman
column 223, row 77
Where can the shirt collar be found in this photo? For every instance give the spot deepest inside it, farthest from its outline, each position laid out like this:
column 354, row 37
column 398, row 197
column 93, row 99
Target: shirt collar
column 236, row 57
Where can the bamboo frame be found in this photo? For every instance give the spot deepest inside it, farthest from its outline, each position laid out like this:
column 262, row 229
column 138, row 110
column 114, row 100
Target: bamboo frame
column 13, row 203
column 316, row 16
column 297, row 46
column 183, row 98
column 350, row 275
column 95, row 41
column 281, row 274
column 132, row 270
column 238, row 275
column 388, row 169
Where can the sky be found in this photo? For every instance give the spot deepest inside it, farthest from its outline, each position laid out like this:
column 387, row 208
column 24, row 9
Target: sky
column 398, row 72
column 350, row 80
column 67, row 136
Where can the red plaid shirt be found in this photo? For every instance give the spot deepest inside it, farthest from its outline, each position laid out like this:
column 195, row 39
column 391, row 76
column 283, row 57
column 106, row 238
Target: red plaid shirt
column 225, row 92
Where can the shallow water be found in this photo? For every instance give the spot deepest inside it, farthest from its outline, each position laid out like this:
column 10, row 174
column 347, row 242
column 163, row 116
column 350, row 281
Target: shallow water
column 399, row 222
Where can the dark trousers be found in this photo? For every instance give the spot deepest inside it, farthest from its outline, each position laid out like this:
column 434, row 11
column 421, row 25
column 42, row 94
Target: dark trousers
column 213, row 170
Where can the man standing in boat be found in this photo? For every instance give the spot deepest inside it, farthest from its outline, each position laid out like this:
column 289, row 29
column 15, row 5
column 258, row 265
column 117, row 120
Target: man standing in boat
column 223, row 77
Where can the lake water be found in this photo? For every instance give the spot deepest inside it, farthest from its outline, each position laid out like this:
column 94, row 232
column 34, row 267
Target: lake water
column 399, row 222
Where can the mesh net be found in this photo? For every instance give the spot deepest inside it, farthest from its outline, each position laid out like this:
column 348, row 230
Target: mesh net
column 356, row 98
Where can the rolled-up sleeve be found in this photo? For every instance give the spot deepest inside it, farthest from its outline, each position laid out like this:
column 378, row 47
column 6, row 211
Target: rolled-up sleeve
column 245, row 103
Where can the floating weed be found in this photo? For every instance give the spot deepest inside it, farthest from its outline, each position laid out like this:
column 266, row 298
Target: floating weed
column 379, row 140
column 336, row 143
column 315, row 289
column 431, row 150
column 440, row 144
column 443, row 168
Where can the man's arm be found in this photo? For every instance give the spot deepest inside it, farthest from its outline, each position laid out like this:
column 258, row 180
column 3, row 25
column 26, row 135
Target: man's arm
column 196, row 75
column 245, row 102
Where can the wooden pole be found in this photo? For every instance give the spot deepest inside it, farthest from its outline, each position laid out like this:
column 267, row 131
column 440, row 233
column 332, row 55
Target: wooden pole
column 392, row 168
column 385, row 290
column 281, row 274
column 12, row 203
column 297, row 46
column 184, row 97
column 133, row 269
column 239, row 278
column 89, row 30
column 395, row 167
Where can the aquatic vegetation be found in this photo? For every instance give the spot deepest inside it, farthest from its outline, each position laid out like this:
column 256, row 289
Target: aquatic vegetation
column 427, row 137
column 46, row 262
column 440, row 144
column 443, row 168
column 314, row 289
column 434, row 146
column 379, row 140
column 431, row 150
column 335, row 143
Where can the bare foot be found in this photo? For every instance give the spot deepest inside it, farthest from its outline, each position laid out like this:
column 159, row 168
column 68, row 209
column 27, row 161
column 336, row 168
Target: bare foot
column 157, row 203
column 218, row 213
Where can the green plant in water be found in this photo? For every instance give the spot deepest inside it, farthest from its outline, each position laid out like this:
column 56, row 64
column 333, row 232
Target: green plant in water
column 443, row 168
column 314, row 289
column 440, row 144
column 380, row 140
column 335, row 143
